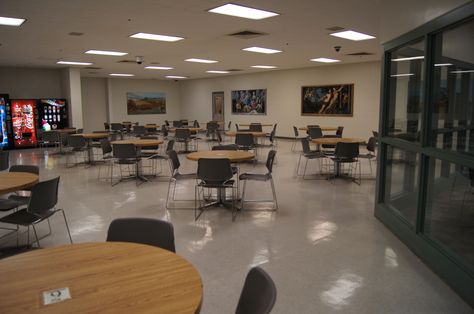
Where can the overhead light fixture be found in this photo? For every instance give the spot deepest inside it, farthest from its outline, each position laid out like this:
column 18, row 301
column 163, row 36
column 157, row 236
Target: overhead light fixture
column 241, row 11
column 121, row 74
column 201, row 60
column 261, row 50
column 11, row 21
column 156, row 37
column 443, row 64
column 325, row 60
column 152, row 67
column 217, row 72
column 462, row 71
column 176, row 77
column 106, row 53
column 74, row 63
column 408, row 58
column 352, row 35
column 263, row 66
column 402, row 75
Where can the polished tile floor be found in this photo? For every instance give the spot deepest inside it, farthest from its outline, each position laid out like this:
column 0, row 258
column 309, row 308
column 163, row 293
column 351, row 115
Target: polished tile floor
column 324, row 249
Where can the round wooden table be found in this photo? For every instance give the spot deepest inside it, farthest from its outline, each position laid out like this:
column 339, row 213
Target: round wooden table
column 103, row 277
column 139, row 142
column 323, row 128
column 232, row 155
column 15, row 181
column 335, row 140
column 262, row 124
column 193, row 130
column 255, row 134
column 92, row 136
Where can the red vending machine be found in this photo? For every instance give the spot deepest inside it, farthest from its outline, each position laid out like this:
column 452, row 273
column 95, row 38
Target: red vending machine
column 24, row 114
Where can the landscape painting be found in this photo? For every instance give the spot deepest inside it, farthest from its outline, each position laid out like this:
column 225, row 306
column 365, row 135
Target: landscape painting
column 251, row 102
column 329, row 100
column 146, row 103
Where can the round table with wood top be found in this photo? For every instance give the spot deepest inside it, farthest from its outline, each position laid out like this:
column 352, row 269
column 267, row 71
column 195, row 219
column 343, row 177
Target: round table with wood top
column 139, row 142
column 335, row 140
column 15, row 181
column 255, row 134
column 102, row 277
column 323, row 128
column 262, row 124
column 193, row 130
column 232, row 155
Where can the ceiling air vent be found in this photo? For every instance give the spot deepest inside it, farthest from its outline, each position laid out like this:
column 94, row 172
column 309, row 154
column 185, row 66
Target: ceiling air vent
column 247, row 34
column 92, row 68
column 360, row 54
column 127, row 61
column 234, row 70
column 75, row 33
column 335, row 28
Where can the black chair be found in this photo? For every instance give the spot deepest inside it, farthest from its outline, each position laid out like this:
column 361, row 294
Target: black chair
column 154, row 155
column 261, row 177
column 42, row 205
column 258, row 294
column 297, row 137
column 177, row 124
column 175, row 177
column 255, row 127
column 22, row 199
column 4, row 160
column 183, row 136
column 106, row 126
column 309, row 155
column 78, row 145
column 144, row 231
column 214, row 174
column 339, row 131
column 125, row 155
column 107, row 155
column 196, row 124
column 314, row 132
column 370, row 155
column 50, row 138
column 346, row 154
column 139, row 130
column 245, row 141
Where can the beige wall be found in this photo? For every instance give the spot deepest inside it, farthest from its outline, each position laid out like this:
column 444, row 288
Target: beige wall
column 284, row 97
column 31, row 83
column 94, row 103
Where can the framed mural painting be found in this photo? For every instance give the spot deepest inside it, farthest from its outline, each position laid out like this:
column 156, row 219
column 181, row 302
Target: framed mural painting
column 146, row 103
column 218, row 106
column 328, row 100
column 249, row 102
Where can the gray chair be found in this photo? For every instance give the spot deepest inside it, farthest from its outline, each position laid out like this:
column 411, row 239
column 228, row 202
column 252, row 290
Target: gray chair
column 309, row 155
column 156, row 156
column 183, row 136
column 125, row 155
column 255, row 127
column 144, row 231
column 370, row 155
column 263, row 177
column 139, row 130
column 78, row 145
column 50, row 138
column 107, row 156
column 314, row 132
column 297, row 137
column 42, row 205
column 258, row 294
column 346, row 154
column 245, row 141
column 175, row 177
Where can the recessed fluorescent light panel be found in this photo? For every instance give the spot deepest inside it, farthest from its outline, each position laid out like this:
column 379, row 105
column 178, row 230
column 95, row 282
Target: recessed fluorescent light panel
column 156, row 37
column 152, row 67
column 217, row 72
column 176, row 77
column 74, row 63
column 402, row 75
column 11, row 21
column 263, row 66
column 106, row 53
column 408, row 58
column 201, row 60
column 121, row 74
column 241, row 11
column 463, row 71
column 352, row 35
column 325, row 60
column 261, row 50
column 443, row 64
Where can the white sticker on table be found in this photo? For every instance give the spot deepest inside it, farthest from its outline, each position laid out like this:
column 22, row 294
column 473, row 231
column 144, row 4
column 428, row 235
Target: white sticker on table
column 56, row 295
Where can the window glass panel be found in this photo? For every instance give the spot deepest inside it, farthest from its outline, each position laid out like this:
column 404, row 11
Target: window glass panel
column 406, row 91
column 453, row 90
column 401, row 182
column 449, row 216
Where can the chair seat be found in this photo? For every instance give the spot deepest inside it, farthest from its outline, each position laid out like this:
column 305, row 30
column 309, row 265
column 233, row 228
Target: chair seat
column 256, row 176
column 8, row 204
column 25, row 218
column 344, row 160
column 20, row 200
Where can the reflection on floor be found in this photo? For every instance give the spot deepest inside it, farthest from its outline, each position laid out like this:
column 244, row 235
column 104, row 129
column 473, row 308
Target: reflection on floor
column 323, row 247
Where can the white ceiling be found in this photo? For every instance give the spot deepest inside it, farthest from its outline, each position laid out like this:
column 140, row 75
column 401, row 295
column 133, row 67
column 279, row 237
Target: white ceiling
column 300, row 31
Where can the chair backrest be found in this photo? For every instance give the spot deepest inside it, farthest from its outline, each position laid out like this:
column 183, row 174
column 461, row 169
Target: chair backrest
column 275, row 128
column 339, row 131
column 167, row 123
column 270, row 160
column 80, row 131
column 295, row 129
column 225, row 147
column 346, row 150
column 182, row 134
column 371, row 144
column 212, row 170
column 25, row 168
column 139, row 130
column 164, row 130
column 4, row 160
column 144, row 231
column 196, row 124
column 174, row 160
column 116, row 126
column 106, row 126
column 255, row 127
column 229, row 125
column 106, row 146
column 169, row 146
column 245, row 140
column 272, row 136
column 177, row 123
column 76, row 141
column 65, row 139
column 315, row 132
column 124, row 151
column 212, row 126
column 51, row 136
column 375, row 133
column 258, row 294
column 237, row 127
column 44, row 196
column 305, row 145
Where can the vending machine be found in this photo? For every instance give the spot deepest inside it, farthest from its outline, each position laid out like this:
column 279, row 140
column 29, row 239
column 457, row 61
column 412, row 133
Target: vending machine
column 24, row 115
column 52, row 114
column 5, row 118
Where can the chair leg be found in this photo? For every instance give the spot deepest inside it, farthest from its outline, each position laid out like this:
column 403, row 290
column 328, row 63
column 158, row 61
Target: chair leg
column 242, row 200
column 168, row 194
column 67, row 225
column 274, row 194
column 36, row 236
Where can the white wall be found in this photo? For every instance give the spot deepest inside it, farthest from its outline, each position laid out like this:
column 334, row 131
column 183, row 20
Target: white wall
column 94, row 103
column 117, row 93
column 31, row 83
column 284, row 97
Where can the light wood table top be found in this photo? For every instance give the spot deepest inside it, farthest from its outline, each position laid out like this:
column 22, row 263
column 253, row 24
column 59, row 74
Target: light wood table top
column 262, row 124
column 323, row 128
column 92, row 136
column 256, row 134
column 139, row 142
column 232, row 155
column 15, row 181
column 102, row 277
column 190, row 129
column 335, row 140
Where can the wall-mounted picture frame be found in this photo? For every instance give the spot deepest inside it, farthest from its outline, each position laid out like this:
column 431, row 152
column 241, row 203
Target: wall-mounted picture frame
column 328, row 100
column 146, row 103
column 249, row 101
